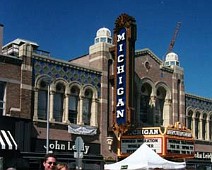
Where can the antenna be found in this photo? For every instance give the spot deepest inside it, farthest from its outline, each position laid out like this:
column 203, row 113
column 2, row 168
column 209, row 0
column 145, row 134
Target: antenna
column 171, row 45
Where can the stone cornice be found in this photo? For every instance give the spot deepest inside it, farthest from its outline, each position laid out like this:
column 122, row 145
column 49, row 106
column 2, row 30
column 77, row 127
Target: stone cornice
column 10, row 59
column 198, row 97
column 65, row 63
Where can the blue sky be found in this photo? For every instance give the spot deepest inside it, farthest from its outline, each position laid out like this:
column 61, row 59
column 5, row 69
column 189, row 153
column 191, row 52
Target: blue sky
column 67, row 28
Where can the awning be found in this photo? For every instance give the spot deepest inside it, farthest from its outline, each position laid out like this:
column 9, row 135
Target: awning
column 7, row 141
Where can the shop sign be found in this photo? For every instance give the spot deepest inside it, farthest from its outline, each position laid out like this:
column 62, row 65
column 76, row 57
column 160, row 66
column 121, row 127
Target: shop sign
column 121, row 78
column 203, row 155
column 68, row 146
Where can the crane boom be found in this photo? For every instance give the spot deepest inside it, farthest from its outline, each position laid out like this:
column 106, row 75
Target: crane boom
column 171, row 45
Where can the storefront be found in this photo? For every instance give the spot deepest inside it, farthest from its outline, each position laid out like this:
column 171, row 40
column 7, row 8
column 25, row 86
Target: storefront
column 8, row 148
column 65, row 152
column 8, row 144
column 201, row 160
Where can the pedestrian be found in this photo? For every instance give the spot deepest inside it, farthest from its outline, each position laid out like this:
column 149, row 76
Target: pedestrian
column 62, row 166
column 49, row 162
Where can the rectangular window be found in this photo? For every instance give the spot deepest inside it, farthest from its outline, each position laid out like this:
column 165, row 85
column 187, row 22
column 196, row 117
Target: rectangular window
column 86, row 111
column 103, row 39
column 210, row 128
column 189, row 122
column 58, row 107
column 109, row 40
column 42, row 104
column 2, row 98
column 97, row 40
column 73, row 103
column 172, row 63
column 144, row 107
column 203, row 129
column 197, row 128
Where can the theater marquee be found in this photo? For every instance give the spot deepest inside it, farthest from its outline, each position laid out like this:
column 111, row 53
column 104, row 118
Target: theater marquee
column 170, row 142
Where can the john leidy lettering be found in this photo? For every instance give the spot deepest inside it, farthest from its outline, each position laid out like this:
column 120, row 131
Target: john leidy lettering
column 66, row 147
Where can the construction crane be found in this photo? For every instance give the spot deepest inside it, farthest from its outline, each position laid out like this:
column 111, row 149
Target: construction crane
column 171, row 45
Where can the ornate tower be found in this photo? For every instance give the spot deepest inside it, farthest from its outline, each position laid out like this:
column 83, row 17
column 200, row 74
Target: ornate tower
column 178, row 91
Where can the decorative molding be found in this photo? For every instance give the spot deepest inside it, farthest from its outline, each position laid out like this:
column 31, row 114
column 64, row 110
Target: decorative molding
column 124, row 20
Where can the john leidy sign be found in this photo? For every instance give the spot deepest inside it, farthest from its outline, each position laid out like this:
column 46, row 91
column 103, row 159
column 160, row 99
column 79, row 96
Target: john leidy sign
column 39, row 145
column 56, row 145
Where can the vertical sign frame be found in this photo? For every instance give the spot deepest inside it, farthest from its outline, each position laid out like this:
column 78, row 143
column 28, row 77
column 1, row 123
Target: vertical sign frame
column 124, row 40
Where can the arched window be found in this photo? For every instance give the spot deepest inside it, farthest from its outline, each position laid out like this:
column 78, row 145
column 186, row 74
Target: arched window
column 197, row 127
column 58, row 102
column 161, row 94
column 145, row 116
column 73, row 104
column 87, row 101
column 189, row 119
column 204, row 118
column 42, row 100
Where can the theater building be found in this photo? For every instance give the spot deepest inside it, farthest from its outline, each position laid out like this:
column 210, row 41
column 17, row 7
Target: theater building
column 115, row 97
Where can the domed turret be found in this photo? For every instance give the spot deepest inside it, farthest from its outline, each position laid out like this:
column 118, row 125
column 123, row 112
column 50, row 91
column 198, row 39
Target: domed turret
column 103, row 35
column 172, row 59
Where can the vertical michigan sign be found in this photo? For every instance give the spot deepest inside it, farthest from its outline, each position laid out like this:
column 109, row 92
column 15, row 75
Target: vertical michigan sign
column 124, row 39
column 121, row 78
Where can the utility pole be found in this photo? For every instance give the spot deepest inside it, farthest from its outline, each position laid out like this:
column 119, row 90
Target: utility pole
column 47, row 121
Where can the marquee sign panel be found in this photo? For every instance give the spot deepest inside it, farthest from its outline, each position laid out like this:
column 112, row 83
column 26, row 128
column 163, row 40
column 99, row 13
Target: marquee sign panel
column 169, row 142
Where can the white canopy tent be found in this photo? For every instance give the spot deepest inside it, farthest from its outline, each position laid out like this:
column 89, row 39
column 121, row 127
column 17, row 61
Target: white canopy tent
column 144, row 158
